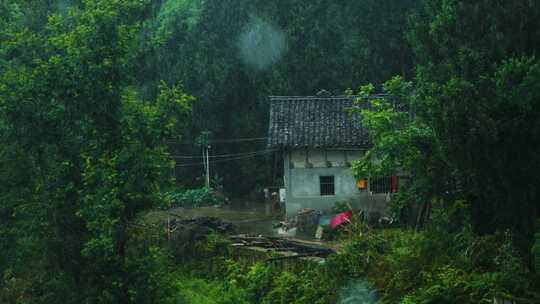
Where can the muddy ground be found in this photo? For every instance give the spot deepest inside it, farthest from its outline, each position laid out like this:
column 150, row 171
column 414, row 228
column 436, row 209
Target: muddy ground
column 247, row 217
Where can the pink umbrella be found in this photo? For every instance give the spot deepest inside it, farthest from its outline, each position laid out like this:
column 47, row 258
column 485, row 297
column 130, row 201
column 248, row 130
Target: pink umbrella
column 340, row 219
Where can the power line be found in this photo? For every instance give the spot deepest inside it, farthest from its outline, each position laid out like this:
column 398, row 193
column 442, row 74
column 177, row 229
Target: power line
column 233, row 140
column 216, row 156
column 220, row 141
column 229, row 159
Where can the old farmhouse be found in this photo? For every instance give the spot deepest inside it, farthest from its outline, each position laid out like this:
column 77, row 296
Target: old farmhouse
column 318, row 139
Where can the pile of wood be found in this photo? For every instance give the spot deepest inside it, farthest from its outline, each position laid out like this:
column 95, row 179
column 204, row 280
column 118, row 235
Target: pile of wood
column 275, row 244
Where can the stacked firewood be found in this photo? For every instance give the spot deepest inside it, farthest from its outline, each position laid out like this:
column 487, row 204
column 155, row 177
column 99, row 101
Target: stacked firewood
column 280, row 245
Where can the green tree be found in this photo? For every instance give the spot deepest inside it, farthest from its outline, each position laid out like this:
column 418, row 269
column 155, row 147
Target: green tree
column 81, row 155
column 402, row 143
column 477, row 80
column 472, row 132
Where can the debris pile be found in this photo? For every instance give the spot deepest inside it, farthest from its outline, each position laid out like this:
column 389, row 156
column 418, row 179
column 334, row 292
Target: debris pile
column 272, row 244
column 286, row 228
column 213, row 223
column 197, row 228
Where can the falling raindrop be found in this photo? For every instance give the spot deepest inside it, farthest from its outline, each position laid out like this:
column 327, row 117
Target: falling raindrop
column 261, row 44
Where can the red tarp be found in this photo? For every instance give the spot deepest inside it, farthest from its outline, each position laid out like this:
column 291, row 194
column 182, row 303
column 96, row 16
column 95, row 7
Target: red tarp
column 340, row 219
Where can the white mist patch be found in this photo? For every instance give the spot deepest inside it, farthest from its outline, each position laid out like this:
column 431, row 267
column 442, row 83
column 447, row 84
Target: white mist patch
column 261, row 44
column 63, row 5
column 358, row 292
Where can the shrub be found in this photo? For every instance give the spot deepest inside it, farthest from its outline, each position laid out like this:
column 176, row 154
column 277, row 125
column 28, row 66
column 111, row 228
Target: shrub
column 264, row 283
column 194, row 198
column 285, row 289
column 258, row 281
column 200, row 252
column 195, row 290
column 341, row 206
column 435, row 265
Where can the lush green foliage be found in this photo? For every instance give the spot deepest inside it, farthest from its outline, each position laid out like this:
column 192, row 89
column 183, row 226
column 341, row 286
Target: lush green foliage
column 477, row 88
column 465, row 128
column 81, row 155
column 438, row 266
column 402, row 145
column 194, row 198
column 200, row 291
column 88, row 97
column 220, row 275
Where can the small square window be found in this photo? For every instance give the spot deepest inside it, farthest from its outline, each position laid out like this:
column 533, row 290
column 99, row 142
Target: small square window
column 327, row 185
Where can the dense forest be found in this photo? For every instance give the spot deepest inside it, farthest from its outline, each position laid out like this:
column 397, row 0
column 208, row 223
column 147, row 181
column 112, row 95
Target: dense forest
column 99, row 98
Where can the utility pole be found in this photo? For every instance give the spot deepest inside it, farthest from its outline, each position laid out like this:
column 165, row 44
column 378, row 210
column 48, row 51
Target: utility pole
column 204, row 141
column 204, row 161
column 207, row 166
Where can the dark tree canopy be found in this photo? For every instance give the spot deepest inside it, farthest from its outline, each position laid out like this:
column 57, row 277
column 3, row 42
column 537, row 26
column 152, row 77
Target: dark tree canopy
column 101, row 99
column 481, row 95
column 327, row 45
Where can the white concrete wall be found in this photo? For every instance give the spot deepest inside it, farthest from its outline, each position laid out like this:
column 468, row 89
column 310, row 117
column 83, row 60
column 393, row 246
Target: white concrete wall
column 303, row 188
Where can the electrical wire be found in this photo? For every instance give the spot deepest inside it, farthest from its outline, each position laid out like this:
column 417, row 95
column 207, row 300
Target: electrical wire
column 215, row 156
column 233, row 140
column 229, row 159
column 220, row 141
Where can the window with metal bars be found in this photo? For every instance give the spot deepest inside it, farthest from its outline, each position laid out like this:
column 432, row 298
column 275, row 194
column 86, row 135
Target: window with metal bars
column 381, row 185
column 327, row 185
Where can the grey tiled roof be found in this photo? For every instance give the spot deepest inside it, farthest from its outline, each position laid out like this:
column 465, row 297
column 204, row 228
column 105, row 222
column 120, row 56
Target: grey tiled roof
column 315, row 121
